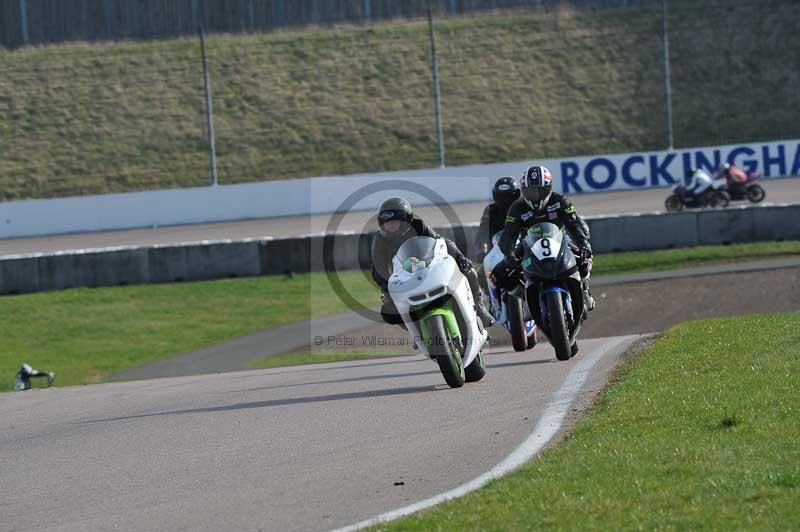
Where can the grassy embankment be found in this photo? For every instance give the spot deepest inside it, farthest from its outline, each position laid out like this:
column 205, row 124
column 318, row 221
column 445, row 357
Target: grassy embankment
column 84, row 118
column 701, row 432
column 84, row 335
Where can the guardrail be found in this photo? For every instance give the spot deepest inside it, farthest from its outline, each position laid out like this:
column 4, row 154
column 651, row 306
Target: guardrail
column 252, row 257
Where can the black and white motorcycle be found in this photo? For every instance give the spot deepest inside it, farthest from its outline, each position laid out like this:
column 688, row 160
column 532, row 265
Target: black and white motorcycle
column 508, row 306
column 554, row 287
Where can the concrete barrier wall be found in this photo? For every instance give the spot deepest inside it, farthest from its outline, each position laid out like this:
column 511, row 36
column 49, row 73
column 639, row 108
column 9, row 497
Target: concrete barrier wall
column 227, row 259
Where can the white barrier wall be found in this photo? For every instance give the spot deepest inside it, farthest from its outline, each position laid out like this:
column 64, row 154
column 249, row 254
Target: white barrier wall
column 327, row 194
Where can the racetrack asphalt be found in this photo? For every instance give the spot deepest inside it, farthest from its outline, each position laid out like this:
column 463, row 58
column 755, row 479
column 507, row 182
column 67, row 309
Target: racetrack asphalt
column 628, row 304
column 301, row 448
column 594, row 204
column 324, row 446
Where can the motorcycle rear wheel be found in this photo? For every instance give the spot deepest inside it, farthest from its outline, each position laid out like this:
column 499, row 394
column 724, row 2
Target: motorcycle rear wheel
column 516, row 321
column 441, row 348
column 673, row 204
column 755, row 193
column 559, row 334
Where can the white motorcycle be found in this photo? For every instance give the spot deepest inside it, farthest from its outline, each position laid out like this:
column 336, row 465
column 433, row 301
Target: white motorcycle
column 436, row 304
column 509, row 307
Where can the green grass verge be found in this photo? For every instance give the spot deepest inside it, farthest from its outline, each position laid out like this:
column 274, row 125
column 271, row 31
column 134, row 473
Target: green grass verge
column 670, row 259
column 324, row 355
column 83, row 118
column 701, row 432
column 85, row 334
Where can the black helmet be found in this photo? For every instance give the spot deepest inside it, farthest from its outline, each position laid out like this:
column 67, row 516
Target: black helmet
column 536, row 185
column 690, row 172
column 395, row 209
column 505, row 192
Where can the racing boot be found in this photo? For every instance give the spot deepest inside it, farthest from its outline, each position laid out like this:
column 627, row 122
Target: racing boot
column 585, row 268
column 484, row 315
column 588, row 300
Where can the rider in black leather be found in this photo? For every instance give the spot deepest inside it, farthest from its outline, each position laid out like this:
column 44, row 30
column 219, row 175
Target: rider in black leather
column 504, row 192
column 397, row 223
column 538, row 203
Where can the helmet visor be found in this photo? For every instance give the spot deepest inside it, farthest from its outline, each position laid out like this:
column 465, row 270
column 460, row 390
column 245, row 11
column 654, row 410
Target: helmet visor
column 534, row 194
column 394, row 228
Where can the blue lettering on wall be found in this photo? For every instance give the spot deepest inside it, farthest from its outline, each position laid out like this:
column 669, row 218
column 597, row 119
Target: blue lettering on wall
column 687, row 165
column 769, row 162
column 626, row 171
column 703, row 162
column 749, row 165
column 588, row 173
column 796, row 163
column 569, row 176
column 660, row 170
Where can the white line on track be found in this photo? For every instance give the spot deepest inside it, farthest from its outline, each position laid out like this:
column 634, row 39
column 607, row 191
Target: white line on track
column 548, row 426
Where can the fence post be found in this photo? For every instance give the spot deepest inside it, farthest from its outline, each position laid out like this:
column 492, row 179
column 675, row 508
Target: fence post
column 195, row 22
column 367, row 10
column 212, row 153
column 23, row 20
column 437, row 96
column 108, row 11
column 667, row 82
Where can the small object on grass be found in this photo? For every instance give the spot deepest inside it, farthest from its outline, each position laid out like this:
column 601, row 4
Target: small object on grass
column 23, row 380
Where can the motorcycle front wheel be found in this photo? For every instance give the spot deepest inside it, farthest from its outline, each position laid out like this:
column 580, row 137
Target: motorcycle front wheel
column 559, row 334
column 673, row 204
column 476, row 370
column 441, row 348
column 718, row 199
column 755, row 193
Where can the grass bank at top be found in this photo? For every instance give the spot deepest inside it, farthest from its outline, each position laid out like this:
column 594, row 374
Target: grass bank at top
column 701, row 432
column 83, row 118
column 86, row 334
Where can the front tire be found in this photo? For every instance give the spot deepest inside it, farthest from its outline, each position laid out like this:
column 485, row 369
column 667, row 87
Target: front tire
column 559, row 335
column 673, row 204
column 441, row 348
column 516, row 321
column 476, row 370
column 755, row 193
column 717, row 199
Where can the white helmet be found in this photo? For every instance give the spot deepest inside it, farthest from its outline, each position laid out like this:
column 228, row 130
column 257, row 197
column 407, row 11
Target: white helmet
column 536, row 185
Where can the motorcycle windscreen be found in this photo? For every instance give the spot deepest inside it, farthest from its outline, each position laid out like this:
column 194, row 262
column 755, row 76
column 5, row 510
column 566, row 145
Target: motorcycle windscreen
column 416, row 252
column 547, row 254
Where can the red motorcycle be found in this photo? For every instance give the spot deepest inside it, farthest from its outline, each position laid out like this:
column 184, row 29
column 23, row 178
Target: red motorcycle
column 747, row 190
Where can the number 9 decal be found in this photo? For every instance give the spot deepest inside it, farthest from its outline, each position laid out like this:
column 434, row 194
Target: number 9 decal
column 546, row 247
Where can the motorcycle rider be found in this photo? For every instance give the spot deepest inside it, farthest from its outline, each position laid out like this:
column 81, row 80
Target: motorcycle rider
column 397, row 223
column 735, row 177
column 538, row 203
column 504, row 192
column 700, row 181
